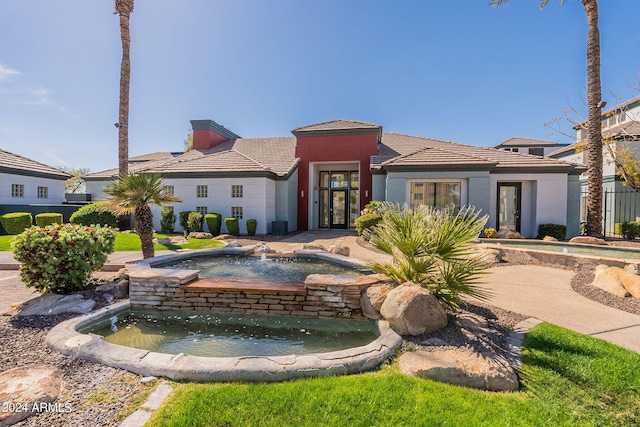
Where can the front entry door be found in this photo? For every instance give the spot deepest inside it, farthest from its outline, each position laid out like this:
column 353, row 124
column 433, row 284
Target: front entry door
column 509, row 205
column 339, row 209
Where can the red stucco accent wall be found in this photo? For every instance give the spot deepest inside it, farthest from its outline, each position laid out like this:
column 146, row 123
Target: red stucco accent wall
column 333, row 148
column 204, row 139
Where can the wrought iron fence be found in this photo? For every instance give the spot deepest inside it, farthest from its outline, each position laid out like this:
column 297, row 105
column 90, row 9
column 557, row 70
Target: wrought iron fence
column 618, row 206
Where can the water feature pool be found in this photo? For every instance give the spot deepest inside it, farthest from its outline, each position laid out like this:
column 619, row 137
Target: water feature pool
column 229, row 335
column 256, row 267
column 569, row 248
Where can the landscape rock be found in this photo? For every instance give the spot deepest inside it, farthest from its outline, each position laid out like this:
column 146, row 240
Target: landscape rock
column 412, row 310
column 506, row 233
column 631, row 282
column 168, row 241
column 234, row 244
column 372, row 298
column 341, row 250
column 472, row 322
column 200, row 235
column 588, row 240
column 312, row 247
column 49, row 304
column 549, row 239
column 490, row 255
column 263, row 248
column 461, row 367
column 29, row 386
column 608, row 279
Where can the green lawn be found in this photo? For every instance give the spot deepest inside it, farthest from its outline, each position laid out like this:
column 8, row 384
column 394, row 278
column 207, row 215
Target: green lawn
column 568, row 379
column 130, row 242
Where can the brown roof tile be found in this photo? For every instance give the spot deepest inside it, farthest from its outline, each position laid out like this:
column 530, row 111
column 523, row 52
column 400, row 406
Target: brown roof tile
column 14, row 163
column 337, row 125
column 528, row 142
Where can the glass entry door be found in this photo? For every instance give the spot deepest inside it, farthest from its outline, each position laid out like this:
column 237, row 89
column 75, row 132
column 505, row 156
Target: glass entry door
column 339, row 203
column 509, row 205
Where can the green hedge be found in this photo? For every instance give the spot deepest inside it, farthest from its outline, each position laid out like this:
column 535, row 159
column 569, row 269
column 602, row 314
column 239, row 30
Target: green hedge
column 94, row 214
column 364, row 223
column 16, row 222
column 184, row 221
column 61, row 257
column 214, row 222
column 167, row 221
column 233, row 227
column 558, row 231
column 252, row 225
column 44, row 219
column 630, row 229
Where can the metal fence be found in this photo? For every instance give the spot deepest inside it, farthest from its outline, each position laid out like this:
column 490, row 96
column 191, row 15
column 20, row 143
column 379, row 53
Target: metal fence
column 618, row 206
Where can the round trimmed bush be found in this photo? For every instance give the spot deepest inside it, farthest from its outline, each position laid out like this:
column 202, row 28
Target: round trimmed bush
column 44, row 219
column 214, row 222
column 16, row 222
column 61, row 257
column 233, row 227
column 94, row 214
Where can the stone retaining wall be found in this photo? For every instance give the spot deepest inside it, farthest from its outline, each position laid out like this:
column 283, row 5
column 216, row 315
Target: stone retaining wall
column 320, row 295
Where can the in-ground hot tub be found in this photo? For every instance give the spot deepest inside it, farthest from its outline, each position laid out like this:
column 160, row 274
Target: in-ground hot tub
column 318, row 296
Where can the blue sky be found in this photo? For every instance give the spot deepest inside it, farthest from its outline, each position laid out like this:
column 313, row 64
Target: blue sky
column 454, row 70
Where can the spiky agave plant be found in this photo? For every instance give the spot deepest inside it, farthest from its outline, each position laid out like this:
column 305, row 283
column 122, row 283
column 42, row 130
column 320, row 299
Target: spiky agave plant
column 133, row 194
column 432, row 248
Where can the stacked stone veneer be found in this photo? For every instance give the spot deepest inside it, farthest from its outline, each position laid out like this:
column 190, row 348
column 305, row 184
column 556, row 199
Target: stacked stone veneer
column 320, row 295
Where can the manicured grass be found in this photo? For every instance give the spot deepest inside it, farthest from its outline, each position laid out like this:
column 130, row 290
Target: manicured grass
column 130, row 242
column 568, row 380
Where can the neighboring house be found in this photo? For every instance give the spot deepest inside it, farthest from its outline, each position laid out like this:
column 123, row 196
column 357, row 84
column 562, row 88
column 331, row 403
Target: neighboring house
column 620, row 131
column 324, row 175
column 24, row 182
column 534, row 147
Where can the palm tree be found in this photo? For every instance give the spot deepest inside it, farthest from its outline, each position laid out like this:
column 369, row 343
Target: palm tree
column 132, row 194
column 431, row 248
column 124, row 9
column 594, row 113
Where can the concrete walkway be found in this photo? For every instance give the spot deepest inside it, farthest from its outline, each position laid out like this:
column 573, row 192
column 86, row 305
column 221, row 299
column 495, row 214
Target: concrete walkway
column 541, row 292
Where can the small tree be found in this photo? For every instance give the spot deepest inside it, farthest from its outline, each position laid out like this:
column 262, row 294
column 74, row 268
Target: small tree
column 167, row 220
column 195, row 222
column 133, row 194
column 432, row 248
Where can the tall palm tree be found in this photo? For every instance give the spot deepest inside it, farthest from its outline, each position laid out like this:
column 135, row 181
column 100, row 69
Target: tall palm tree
column 124, row 9
column 133, row 194
column 594, row 113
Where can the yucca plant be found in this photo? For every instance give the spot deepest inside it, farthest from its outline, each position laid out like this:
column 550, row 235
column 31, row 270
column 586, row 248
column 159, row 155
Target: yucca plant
column 432, row 248
column 132, row 194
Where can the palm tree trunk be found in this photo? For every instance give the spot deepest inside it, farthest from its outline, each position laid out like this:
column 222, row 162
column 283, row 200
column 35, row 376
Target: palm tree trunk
column 124, row 9
column 144, row 228
column 594, row 127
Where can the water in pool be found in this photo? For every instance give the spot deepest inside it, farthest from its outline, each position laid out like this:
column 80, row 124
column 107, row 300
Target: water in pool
column 228, row 335
column 263, row 268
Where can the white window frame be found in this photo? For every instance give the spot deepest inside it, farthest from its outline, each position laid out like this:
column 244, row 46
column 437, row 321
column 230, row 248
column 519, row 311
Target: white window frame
column 202, row 209
column 202, row 191
column 462, row 181
column 169, row 190
column 17, row 190
column 237, row 191
column 43, row 192
column 237, row 212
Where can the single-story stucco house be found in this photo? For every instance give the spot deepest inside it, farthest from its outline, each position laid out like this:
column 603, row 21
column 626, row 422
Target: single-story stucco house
column 324, row 175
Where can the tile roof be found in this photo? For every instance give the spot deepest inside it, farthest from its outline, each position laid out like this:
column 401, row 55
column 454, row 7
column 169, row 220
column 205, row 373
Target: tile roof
column 629, row 131
column 398, row 150
column 16, row 164
column 527, row 142
column 271, row 156
column 337, row 125
column 162, row 155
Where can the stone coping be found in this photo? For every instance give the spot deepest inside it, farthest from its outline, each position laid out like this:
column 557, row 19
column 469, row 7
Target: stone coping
column 241, row 285
column 65, row 339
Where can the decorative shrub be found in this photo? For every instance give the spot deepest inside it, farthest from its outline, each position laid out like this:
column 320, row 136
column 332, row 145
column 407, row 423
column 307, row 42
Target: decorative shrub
column 16, row 222
column 233, row 227
column 94, row 214
column 214, row 222
column 61, row 257
column 373, row 207
column 489, row 233
column 184, row 221
column 252, row 225
column 167, row 221
column 364, row 223
column 630, row 229
column 558, row 231
column 195, row 222
column 44, row 219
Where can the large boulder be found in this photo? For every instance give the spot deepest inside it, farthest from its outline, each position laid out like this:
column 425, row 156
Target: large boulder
column 49, row 304
column 608, row 279
column 200, row 235
column 412, row 310
column 588, row 240
column 27, row 386
column 171, row 241
column 372, row 298
column 630, row 281
column 461, row 367
column 507, row 233
column 341, row 250
column 549, row 239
